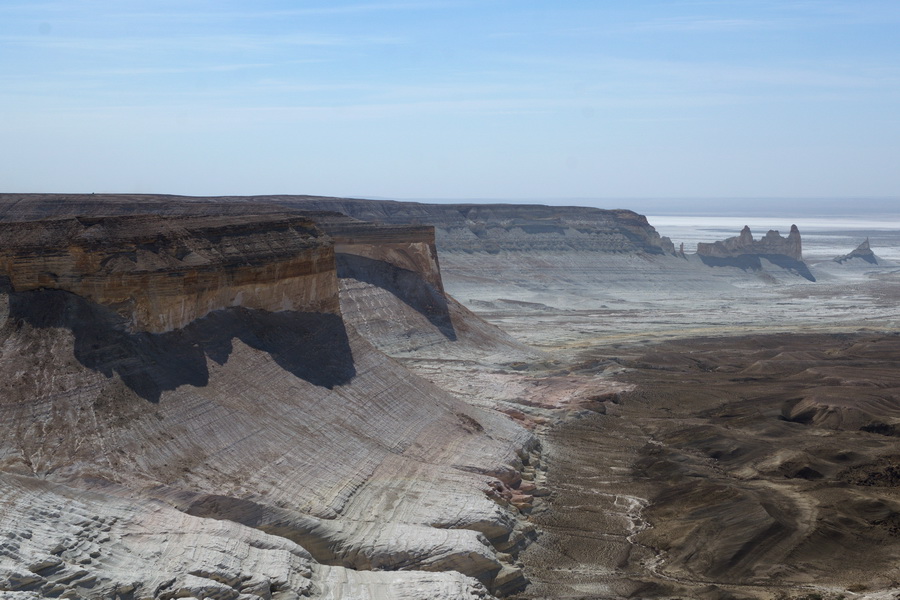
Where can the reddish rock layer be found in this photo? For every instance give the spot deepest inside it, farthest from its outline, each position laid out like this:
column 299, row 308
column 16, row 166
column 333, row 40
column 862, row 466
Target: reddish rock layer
column 162, row 273
column 410, row 248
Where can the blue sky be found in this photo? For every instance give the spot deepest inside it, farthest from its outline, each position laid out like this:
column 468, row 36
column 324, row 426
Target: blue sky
column 452, row 98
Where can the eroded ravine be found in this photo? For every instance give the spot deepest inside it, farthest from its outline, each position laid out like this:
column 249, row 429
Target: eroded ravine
column 698, row 484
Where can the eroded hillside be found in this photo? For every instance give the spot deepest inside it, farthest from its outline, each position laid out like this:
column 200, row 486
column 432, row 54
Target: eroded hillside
column 187, row 412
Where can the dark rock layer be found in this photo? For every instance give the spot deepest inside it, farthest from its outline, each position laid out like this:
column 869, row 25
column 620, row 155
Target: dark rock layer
column 161, row 273
column 459, row 227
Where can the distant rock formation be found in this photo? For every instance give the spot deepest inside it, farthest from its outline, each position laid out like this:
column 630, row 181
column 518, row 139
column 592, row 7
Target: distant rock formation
column 770, row 244
column 495, row 228
column 744, row 252
column 863, row 252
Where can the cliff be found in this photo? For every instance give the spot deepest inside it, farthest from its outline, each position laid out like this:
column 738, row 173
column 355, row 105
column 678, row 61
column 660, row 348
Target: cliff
column 458, row 227
column 162, row 273
column 744, row 252
column 566, row 257
column 192, row 405
column 405, row 247
column 510, row 227
column 744, row 244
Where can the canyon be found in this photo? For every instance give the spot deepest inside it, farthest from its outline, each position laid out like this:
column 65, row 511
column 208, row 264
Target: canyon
column 296, row 396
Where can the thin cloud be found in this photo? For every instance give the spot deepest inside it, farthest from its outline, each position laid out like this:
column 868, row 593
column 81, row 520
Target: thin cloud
column 207, row 43
column 214, row 68
column 171, row 70
column 712, row 74
column 795, row 14
column 704, row 24
column 352, row 9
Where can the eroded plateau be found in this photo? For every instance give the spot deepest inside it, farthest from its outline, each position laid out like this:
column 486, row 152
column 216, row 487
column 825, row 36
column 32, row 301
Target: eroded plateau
column 284, row 397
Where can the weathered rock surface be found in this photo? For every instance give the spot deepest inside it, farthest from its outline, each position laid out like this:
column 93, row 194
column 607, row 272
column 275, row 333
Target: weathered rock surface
column 292, row 432
column 62, row 541
column 255, row 421
column 744, row 252
column 770, row 244
column 862, row 252
column 509, row 227
column 459, row 227
column 162, row 273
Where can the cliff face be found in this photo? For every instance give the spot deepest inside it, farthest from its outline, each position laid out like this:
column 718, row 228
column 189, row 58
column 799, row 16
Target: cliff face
column 559, row 256
column 404, row 247
column 510, row 227
column 744, row 244
column 162, row 273
column 458, row 227
column 203, row 373
column 745, row 253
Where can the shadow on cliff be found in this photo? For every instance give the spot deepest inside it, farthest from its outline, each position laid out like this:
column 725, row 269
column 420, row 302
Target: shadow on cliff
column 752, row 262
column 311, row 346
column 408, row 286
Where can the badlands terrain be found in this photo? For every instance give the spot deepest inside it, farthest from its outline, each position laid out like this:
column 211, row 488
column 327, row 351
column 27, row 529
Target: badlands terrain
column 291, row 396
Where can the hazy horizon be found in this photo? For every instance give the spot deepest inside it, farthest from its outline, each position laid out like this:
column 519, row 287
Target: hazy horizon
column 710, row 207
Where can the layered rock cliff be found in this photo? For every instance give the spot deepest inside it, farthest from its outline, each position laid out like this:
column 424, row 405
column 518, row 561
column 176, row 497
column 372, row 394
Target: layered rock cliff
column 744, row 252
column 459, row 227
column 188, row 393
column 772, row 244
column 162, row 273
column 405, row 247
column 564, row 257
column 510, row 227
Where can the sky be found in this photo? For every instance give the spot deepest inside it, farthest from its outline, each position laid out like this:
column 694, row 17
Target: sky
column 458, row 99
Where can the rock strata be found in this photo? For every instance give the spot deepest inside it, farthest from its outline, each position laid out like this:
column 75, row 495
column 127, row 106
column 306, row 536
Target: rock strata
column 744, row 252
column 162, row 273
column 189, row 382
column 510, row 227
column 770, row 244
column 458, row 227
